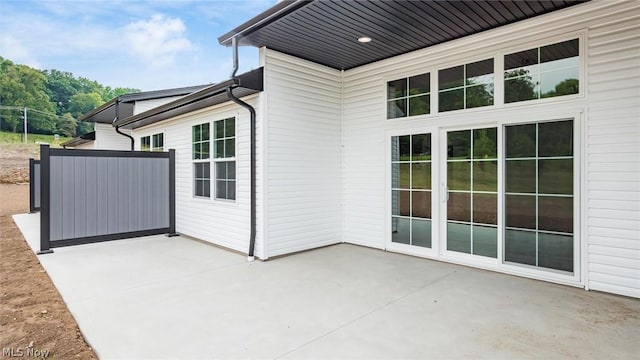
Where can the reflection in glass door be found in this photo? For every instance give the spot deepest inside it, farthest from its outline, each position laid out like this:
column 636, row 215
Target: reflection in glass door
column 472, row 181
column 411, row 190
column 539, row 195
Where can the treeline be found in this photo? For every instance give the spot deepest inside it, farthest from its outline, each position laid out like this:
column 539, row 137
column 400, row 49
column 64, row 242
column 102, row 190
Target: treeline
column 57, row 98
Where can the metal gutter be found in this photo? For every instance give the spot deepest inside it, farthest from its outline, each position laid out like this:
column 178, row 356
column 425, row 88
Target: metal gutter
column 252, row 159
column 118, row 127
column 186, row 100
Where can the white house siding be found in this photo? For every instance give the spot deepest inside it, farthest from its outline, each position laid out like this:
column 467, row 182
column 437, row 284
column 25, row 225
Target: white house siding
column 224, row 223
column 303, row 107
column 108, row 139
column 144, row 105
column 609, row 190
column 613, row 218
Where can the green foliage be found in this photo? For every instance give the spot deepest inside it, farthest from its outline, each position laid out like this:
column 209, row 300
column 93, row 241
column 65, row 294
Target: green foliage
column 22, row 86
column 81, row 103
column 52, row 94
column 33, row 139
column 66, row 125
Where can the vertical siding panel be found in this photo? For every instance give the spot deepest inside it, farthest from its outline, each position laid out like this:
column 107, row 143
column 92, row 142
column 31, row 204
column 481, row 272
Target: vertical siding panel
column 112, row 194
column 304, row 154
column 56, row 183
column 79, row 196
column 68, row 192
column 92, row 196
column 102, row 191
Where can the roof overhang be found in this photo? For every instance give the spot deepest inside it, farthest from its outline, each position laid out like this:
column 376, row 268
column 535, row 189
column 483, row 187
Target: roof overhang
column 79, row 140
column 107, row 112
column 327, row 31
column 243, row 85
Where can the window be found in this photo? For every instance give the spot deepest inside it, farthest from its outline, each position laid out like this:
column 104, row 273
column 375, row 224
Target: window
column 411, row 189
column 542, row 72
column 152, row 143
column 539, row 195
column 201, row 165
column 157, row 142
column 145, row 143
column 224, row 150
column 408, row 96
column 466, row 86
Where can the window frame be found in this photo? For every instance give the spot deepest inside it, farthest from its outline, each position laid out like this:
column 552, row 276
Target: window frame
column 464, row 87
column 408, row 96
column 201, row 160
column 225, row 159
column 582, row 56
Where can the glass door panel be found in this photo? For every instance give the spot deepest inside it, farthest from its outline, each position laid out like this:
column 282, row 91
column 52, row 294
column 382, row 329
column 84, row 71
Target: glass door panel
column 411, row 190
column 539, row 195
column 472, row 181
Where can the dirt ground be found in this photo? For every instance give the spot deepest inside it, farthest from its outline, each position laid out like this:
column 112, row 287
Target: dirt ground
column 32, row 313
column 14, row 162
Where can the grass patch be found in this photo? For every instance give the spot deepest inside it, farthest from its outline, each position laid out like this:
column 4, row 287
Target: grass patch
column 7, row 138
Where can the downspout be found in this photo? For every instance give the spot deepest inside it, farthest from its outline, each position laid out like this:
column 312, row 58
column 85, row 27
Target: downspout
column 252, row 141
column 118, row 127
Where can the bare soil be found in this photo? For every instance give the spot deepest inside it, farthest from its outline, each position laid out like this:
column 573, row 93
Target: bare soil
column 32, row 312
column 14, row 162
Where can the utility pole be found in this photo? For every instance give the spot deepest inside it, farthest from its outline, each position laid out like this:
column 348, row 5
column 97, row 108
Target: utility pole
column 25, row 124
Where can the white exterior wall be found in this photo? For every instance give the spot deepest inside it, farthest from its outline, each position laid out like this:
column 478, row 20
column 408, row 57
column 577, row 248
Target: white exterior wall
column 303, row 139
column 108, row 139
column 222, row 222
column 607, row 113
column 144, row 105
column 613, row 179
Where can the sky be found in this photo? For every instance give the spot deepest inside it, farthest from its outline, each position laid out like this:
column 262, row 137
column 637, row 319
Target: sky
column 143, row 44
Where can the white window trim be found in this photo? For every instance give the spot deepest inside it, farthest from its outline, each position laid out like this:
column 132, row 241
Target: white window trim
column 498, row 89
column 197, row 161
column 215, row 160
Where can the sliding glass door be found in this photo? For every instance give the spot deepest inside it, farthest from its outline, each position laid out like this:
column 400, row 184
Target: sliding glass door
column 507, row 193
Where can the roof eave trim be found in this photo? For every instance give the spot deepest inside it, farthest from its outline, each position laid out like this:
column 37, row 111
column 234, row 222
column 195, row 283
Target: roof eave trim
column 280, row 10
column 98, row 110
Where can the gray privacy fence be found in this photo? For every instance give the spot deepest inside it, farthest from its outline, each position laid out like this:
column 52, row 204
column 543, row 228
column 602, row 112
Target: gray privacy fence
column 99, row 195
column 34, row 185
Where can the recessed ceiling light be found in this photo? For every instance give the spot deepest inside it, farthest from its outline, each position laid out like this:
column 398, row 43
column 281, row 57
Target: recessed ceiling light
column 364, row 39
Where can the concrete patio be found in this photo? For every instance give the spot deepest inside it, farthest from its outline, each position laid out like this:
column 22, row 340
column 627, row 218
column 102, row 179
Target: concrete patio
column 159, row 297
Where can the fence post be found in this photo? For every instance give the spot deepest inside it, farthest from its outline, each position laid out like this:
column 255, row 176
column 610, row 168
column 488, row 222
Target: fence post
column 32, row 186
column 45, row 200
column 172, row 193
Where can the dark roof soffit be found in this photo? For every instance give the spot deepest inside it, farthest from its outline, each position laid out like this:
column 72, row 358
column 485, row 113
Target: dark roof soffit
column 326, row 31
column 94, row 115
column 246, row 84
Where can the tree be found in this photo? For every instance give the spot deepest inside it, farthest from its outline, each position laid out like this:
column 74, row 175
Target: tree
column 109, row 93
column 518, row 86
column 22, row 86
column 565, row 87
column 61, row 86
column 66, row 125
column 84, row 102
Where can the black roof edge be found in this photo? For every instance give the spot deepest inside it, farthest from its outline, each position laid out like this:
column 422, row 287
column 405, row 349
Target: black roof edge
column 144, row 95
column 79, row 140
column 250, row 80
column 281, row 9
